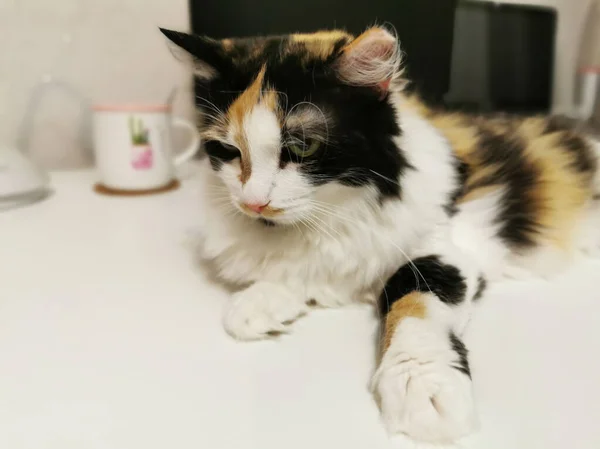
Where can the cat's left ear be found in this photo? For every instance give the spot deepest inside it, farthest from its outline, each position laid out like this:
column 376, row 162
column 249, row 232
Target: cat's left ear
column 207, row 54
column 373, row 59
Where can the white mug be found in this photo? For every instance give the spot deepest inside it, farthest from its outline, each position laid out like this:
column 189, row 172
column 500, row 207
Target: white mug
column 133, row 147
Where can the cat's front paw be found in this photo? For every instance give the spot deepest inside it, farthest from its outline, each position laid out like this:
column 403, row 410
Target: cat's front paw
column 263, row 310
column 424, row 386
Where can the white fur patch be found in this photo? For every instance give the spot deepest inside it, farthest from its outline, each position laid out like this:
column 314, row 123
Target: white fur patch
column 263, row 136
column 474, row 229
column 420, row 392
column 262, row 310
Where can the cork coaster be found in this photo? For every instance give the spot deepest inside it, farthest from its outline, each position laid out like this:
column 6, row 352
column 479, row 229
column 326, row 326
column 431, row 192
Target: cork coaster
column 104, row 190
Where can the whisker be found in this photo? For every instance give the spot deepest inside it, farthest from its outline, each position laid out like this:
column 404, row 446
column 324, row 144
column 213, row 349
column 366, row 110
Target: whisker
column 384, row 177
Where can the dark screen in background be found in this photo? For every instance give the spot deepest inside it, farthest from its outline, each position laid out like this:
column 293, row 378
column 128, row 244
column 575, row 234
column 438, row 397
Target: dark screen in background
column 424, row 27
column 514, row 74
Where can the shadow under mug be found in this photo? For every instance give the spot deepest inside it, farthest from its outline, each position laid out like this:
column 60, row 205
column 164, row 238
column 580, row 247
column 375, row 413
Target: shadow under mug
column 133, row 145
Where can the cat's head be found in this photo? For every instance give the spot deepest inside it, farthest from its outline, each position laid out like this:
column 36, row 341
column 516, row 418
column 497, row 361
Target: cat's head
column 287, row 120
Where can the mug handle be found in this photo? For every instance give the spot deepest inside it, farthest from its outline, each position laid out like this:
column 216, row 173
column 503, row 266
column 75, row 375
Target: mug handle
column 192, row 148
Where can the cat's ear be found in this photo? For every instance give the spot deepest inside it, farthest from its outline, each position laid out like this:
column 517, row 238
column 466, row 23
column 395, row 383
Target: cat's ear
column 372, row 59
column 206, row 53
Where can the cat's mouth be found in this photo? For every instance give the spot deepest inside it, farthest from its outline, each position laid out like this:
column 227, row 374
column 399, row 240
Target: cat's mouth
column 282, row 217
column 271, row 215
column 266, row 211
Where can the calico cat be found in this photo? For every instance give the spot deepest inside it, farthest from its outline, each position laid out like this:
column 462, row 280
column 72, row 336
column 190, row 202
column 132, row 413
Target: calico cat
column 330, row 184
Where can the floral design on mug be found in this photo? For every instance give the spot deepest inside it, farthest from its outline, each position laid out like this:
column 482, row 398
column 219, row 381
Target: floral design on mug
column 142, row 158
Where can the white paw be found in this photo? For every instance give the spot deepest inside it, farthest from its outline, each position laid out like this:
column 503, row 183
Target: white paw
column 262, row 310
column 422, row 392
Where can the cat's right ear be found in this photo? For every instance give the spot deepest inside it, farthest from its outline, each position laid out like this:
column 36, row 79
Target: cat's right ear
column 205, row 53
column 373, row 59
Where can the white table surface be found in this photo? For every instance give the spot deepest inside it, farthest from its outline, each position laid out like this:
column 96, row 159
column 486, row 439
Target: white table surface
column 110, row 338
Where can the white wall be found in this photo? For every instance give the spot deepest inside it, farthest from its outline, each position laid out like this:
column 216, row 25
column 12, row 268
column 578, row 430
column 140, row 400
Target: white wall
column 109, row 50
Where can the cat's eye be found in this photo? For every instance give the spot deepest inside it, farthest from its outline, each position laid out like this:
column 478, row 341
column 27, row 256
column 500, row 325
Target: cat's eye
column 306, row 148
column 229, row 147
column 221, row 150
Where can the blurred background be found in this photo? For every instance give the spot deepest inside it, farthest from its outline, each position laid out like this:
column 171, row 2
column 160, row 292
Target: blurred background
column 58, row 57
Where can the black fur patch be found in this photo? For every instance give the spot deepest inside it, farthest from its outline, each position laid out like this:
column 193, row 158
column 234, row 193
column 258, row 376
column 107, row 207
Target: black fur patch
column 584, row 160
column 360, row 148
column 459, row 347
column 423, row 275
column 570, row 140
column 519, row 177
column 266, row 222
column 219, row 153
column 462, row 173
column 481, row 286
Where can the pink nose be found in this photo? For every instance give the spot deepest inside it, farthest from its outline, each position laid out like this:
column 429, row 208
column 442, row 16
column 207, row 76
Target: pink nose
column 256, row 207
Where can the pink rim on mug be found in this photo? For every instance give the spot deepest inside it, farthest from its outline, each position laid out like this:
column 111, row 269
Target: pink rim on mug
column 131, row 107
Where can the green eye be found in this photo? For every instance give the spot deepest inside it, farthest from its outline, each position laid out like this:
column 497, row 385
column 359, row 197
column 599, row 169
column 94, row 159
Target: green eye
column 306, row 149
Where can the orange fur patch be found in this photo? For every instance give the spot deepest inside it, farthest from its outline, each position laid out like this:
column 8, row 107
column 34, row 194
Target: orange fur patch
column 320, row 44
column 363, row 36
column 411, row 305
column 235, row 116
column 227, row 44
column 561, row 190
column 270, row 212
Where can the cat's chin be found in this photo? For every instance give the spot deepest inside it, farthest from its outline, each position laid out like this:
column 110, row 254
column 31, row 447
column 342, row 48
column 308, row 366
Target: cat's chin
column 277, row 222
column 267, row 223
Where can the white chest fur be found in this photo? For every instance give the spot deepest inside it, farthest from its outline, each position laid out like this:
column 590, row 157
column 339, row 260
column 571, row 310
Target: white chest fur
column 343, row 254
